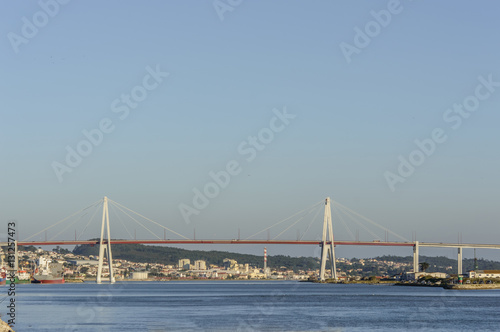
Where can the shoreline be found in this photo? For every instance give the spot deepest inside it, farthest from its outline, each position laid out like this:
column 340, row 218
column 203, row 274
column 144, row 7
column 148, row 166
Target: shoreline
column 168, row 280
column 395, row 283
column 359, row 282
column 457, row 286
column 472, row 286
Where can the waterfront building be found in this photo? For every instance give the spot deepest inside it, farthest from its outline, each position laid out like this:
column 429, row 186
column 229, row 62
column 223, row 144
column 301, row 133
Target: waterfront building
column 484, row 274
column 415, row 276
column 139, row 275
column 257, row 275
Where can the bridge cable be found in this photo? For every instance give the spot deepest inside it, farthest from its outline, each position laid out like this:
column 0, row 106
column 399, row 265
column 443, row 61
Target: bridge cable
column 65, row 228
column 300, row 219
column 373, row 222
column 62, row 220
column 121, row 221
column 360, row 224
column 337, row 213
column 88, row 223
column 311, row 222
column 138, row 222
column 154, row 222
column 282, row 221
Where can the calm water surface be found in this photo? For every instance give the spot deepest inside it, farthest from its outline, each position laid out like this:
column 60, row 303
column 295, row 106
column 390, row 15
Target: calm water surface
column 251, row 306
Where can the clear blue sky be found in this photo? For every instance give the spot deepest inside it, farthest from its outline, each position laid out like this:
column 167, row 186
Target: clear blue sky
column 226, row 76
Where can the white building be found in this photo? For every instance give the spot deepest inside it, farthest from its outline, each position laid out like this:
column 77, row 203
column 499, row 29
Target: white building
column 418, row 275
column 84, row 262
column 484, row 274
column 184, row 263
column 139, row 275
column 200, row 265
column 230, row 264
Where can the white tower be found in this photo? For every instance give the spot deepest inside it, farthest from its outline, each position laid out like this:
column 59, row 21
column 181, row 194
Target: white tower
column 105, row 220
column 265, row 259
column 327, row 249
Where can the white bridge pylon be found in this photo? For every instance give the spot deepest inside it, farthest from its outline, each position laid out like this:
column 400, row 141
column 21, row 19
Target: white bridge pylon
column 105, row 222
column 327, row 245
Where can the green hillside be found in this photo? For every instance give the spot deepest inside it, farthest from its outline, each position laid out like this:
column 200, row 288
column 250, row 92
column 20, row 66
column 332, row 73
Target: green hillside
column 440, row 263
column 169, row 255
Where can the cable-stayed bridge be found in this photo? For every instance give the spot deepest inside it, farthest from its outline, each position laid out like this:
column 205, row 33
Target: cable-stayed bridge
column 301, row 221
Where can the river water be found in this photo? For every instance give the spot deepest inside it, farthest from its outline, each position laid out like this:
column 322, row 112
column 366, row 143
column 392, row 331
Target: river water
column 250, row 306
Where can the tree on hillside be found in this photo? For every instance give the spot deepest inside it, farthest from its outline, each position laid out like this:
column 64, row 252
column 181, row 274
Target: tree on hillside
column 424, row 266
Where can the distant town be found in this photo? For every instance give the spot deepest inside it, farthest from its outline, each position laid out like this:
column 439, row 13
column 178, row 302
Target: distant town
column 77, row 268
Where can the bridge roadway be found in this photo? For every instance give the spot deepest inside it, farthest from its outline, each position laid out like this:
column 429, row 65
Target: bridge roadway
column 289, row 242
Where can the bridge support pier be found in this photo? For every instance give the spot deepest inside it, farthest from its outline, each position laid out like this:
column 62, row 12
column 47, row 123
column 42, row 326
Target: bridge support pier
column 415, row 257
column 105, row 220
column 459, row 261
column 327, row 249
